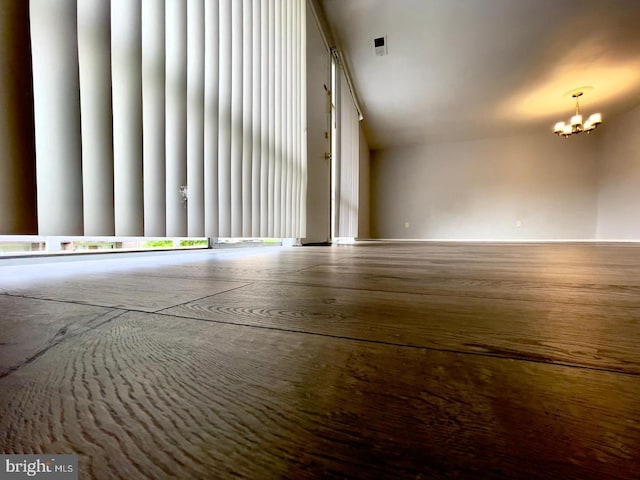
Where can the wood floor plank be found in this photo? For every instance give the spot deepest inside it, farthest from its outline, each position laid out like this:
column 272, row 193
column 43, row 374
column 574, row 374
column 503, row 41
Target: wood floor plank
column 576, row 253
column 426, row 281
column 124, row 290
column 270, row 266
column 586, row 335
column 153, row 396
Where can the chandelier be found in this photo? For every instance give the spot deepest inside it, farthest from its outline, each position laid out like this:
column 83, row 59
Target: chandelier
column 576, row 125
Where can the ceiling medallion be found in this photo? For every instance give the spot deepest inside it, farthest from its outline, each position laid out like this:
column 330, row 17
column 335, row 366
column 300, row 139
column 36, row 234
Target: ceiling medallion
column 575, row 125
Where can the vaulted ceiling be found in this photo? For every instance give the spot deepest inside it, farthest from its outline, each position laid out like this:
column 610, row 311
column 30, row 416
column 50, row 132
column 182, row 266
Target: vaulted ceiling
column 459, row 69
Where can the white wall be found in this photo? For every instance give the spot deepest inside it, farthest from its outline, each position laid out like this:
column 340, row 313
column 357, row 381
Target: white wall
column 619, row 178
column 480, row 189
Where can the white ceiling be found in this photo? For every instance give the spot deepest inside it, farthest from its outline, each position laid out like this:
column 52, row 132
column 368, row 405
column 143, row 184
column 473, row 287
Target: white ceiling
column 459, row 69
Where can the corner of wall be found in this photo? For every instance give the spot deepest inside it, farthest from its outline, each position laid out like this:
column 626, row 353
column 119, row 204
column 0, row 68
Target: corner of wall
column 618, row 181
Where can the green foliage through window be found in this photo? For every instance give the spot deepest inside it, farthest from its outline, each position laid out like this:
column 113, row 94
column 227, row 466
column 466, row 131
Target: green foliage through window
column 158, row 244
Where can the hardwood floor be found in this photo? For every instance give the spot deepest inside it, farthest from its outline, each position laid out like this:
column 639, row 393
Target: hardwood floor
column 378, row 360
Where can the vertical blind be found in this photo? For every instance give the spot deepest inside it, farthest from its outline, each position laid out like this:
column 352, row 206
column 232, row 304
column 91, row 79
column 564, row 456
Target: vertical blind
column 347, row 181
column 170, row 117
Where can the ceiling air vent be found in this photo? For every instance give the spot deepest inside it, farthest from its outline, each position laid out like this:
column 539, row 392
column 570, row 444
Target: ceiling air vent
column 380, row 45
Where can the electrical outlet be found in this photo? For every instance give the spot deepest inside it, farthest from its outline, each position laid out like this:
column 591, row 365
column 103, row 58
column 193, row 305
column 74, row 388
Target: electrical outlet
column 406, row 224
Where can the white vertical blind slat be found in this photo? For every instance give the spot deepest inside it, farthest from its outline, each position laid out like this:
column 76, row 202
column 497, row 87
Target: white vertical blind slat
column 265, row 61
column 126, row 58
column 279, row 119
column 176, row 116
column 271, row 177
column 302, row 200
column 247, row 114
column 57, row 116
column 288, row 103
column 195, row 118
column 153, row 117
column 94, row 59
column 236, row 118
column 224, row 121
column 256, row 132
column 296, row 122
column 210, row 146
column 295, row 42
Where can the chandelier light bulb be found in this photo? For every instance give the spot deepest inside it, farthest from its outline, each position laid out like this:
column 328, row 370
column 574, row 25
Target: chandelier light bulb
column 595, row 118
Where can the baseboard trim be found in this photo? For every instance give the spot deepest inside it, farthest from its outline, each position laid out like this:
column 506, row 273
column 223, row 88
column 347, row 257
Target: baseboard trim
column 500, row 240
